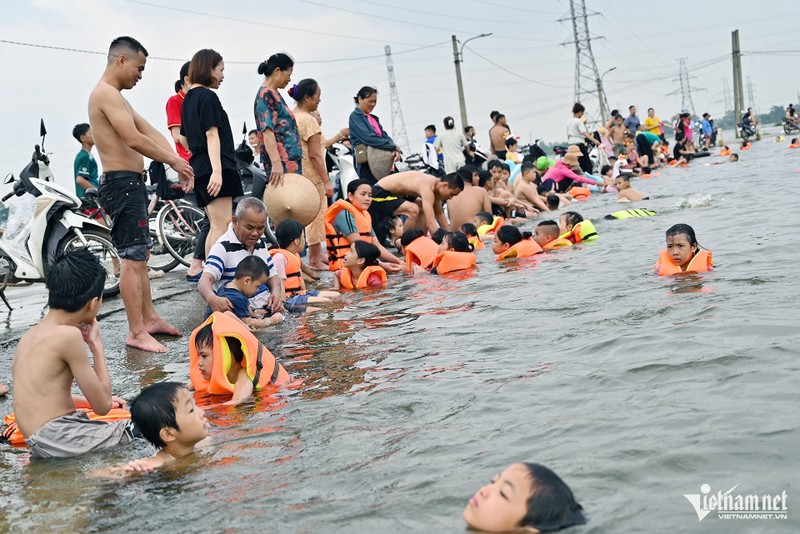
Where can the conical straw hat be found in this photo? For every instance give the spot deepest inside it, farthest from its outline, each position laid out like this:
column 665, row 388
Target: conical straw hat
column 296, row 199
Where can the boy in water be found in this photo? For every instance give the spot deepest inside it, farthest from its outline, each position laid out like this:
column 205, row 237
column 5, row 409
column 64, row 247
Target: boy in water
column 251, row 273
column 53, row 353
column 547, row 235
column 626, row 192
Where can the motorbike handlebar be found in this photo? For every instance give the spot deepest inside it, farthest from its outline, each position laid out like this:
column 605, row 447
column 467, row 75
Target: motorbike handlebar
column 6, row 197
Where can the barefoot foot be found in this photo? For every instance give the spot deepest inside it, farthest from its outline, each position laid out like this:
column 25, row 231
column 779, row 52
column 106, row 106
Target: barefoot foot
column 3, row 389
column 162, row 327
column 318, row 266
column 146, row 342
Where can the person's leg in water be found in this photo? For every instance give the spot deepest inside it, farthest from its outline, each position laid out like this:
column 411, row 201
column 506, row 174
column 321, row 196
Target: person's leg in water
column 219, row 214
column 143, row 320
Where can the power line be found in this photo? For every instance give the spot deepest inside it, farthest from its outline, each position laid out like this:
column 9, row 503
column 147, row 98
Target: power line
column 513, row 8
column 255, row 62
column 449, row 16
column 515, row 74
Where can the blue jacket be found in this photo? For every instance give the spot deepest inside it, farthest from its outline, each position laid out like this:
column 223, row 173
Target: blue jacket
column 361, row 133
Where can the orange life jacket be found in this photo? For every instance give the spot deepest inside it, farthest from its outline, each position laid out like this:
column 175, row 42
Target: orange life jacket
column 336, row 243
column 294, row 276
column 422, row 251
column 580, row 193
column 261, row 366
column 649, row 175
column 557, row 243
column 523, row 249
column 582, row 231
column 666, row 267
column 477, row 243
column 486, row 229
column 794, row 145
column 748, row 146
column 673, row 162
column 13, row 435
column 726, row 152
column 346, row 277
column 450, row 261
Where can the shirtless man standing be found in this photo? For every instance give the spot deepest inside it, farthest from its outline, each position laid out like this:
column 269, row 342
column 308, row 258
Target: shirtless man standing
column 122, row 138
column 389, row 198
column 463, row 207
column 497, row 136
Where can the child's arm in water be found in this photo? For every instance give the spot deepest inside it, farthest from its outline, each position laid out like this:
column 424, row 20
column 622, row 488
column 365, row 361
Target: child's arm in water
column 251, row 322
column 337, row 285
column 242, row 388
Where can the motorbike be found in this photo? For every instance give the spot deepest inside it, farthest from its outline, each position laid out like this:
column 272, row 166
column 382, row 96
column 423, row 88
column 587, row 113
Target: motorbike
column 790, row 126
column 46, row 222
column 343, row 169
column 746, row 131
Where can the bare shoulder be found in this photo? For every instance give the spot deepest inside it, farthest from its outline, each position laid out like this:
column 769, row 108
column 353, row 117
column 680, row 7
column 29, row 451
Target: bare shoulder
column 104, row 94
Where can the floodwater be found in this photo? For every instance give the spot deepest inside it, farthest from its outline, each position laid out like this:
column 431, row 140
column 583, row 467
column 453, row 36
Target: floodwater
column 636, row 389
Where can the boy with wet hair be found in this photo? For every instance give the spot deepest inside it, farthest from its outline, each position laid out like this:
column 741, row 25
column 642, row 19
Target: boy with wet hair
column 52, row 354
column 547, row 235
column 626, row 192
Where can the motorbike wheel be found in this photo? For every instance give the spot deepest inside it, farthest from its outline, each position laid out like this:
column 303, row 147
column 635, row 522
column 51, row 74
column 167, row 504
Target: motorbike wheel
column 178, row 228
column 161, row 259
column 787, row 128
column 269, row 232
column 99, row 244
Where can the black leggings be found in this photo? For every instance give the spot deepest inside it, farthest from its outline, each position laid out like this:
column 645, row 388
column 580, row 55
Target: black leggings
column 584, row 161
column 643, row 148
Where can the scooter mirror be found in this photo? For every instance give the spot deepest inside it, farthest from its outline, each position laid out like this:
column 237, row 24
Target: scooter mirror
column 244, row 128
column 42, row 129
column 9, row 178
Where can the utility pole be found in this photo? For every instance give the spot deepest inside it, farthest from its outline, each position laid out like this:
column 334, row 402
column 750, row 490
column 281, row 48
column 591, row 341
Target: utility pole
column 588, row 81
column 738, row 93
column 461, row 103
column 398, row 123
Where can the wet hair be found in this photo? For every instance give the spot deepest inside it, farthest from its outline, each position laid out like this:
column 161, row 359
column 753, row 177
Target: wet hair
column 449, row 123
column 511, row 235
column 550, row 226
column 725, row 147
column 389, row 224
column 551, row 506
column 79, row 130
column 305, row 89
column 121, row 45
column 483, row 177
column 485, row 217
column 203, row 63
column 553, row 202
column 204, row 336
column 453, row 181
column 287, row 231
column 369, row 252
column 251, row 266
column 577, row 108
column 74, row 279
column 528, row 166
column 364, row 92
column 438, row 235
column 431, row 127
column 604, row 169
column 458, row 242
column 469, row 230
column 794, row 140
column 646, row 170
column 685, row 229
column 249, row 203
column 276, row 61
column 183, row 74
column 735, row 156
column 409, row 236
column 623, row 177
column 494, row 163
column 572, row 217
column 510, row 142
column 154, row 409
column 353, row 186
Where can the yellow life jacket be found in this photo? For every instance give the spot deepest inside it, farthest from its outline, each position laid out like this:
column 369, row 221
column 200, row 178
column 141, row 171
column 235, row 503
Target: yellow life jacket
column 497, row 222
column 477, row 242
column 631, row 213
column 261, row 366
column 450, row 261
column 557, row 243
column 422, row 251
column 523, row 249
column 336, row 243
column 700, row 263
column 294, row 275
column 583, row 231
column 346, row 277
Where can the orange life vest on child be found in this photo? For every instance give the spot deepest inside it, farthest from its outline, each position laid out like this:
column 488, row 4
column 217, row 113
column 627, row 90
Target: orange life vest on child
column 422, row 251
column 580, row 193
column 557, row 243
column 748, row 146
column 450, row 261
column 673, row 162
column 523, row 249
column 346, row 277
column 477, row 243
column 701, row 263
column 336, row 243
column 726, row 152
column 794, row 145
column 294, row 276
column 261, row 366
column 13, row 435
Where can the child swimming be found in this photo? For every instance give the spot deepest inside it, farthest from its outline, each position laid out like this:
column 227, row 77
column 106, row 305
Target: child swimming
column 286, row 259
column 548, row 237
column 626, row 192
column 419, row 249
column 683, row 254
column 574, row 228
column 360, row 269
column 524, row 496
column 455, row 254
column 487, row 223
column 471, row 231
column 509, row 242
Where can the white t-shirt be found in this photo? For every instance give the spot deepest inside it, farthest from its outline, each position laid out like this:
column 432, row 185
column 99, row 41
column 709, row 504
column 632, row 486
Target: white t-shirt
column 575, row 130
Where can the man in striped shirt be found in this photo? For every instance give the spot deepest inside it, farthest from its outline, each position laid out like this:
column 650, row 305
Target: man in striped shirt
column 245, row 237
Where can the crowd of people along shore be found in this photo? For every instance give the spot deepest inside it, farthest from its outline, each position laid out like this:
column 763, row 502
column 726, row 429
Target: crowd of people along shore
column 384, row 224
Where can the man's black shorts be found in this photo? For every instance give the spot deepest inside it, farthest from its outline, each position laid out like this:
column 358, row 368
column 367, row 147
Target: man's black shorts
column 123, row 195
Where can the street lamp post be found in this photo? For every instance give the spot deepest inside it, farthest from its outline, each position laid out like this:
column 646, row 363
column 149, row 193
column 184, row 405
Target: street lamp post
column 602, row 95
column 458, row 56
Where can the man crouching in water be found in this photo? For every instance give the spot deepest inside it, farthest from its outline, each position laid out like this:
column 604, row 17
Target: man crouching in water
column 390, row 196
column 122, row 138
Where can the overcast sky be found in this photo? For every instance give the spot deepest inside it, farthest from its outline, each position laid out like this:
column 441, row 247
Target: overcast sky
column 521, row 70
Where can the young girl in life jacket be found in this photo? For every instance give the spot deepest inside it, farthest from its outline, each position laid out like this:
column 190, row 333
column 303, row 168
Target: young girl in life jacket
column 455, row 254
column 509, row 242
column 683, row 254
column 360, row 269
